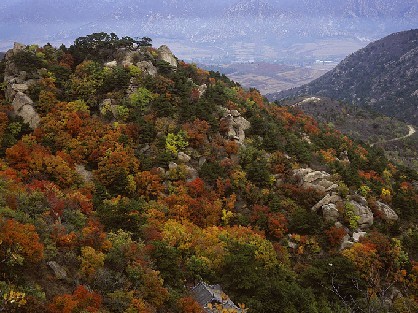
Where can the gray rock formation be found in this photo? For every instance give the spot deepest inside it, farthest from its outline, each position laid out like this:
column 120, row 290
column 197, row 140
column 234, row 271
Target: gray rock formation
column 347, row 243
column 332, row 198
column 191, row 173
column 165, row 54
column 318, row 180
column 236, row 125
column 330, row 212
column 147, row 67
column 364, row 213
column 23, row 106
column 202, row 89
column 387, row 212
column 183, row 157
column 59, row 271
column 111, row 64
column 107, row 107
column 86, row 175
column 358, row 235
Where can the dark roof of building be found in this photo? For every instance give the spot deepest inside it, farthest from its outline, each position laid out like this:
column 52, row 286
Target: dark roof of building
column 205, row 294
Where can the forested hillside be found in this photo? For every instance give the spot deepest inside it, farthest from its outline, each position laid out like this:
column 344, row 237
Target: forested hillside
column 127, row 177
column 383, row 77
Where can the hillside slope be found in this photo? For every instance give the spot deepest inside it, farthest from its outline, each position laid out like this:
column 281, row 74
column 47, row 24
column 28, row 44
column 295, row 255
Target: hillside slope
column 132, row 182
column 383, row 76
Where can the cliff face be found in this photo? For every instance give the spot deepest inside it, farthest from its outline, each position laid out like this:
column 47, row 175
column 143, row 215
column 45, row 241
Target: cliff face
column 383, row 76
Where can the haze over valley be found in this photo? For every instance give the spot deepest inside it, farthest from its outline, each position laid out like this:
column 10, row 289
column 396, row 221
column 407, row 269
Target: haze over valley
column 291, row 32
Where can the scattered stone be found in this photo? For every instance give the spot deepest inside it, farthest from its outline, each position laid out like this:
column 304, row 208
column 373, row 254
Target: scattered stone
column 202, row 89
column 191, row 173
column 202, row 160
column 161, row 171
column 183, row 157
column 111, row 64
column 144, row 149
column 387, row 212
column 358, row 235
column 172, row 165
column 347, row 243
column 330, row 212
column 107, row 106
column 333, row 198
column 306, row 138
column 344, row 157
column 59, row 272
column 85, row 174
column 292, row 245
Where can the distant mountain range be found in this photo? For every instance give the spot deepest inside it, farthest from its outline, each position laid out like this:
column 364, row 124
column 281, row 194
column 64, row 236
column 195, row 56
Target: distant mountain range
column 383, row 76
column 228, row 29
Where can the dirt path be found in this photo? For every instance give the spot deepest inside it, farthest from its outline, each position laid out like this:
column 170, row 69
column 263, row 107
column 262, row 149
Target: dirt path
column 412, row 131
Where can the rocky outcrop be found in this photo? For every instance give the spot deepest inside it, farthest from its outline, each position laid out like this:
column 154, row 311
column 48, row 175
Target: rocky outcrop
column 386, row 212
column 190, row 172
column 235, row 125
column 165, row 54
column 107, row 108
column 318, row 180
column 86, row 175
column 183, row 157
column 23, row 107
column 202, row 89
column 358, row 235
column 330, row 212
column 16, row 86
column 332, row 198
column 59, row 272
column 147, row 67
column 361, row 209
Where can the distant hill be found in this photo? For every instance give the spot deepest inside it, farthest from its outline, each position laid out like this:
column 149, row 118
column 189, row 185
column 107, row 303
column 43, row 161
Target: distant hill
column 383, row 76
column 2, row 55
column 230, row 30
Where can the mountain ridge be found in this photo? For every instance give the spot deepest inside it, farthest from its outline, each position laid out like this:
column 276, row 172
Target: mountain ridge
column 130, row 179
column 381, row 76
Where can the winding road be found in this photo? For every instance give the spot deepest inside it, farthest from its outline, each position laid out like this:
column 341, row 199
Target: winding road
column 412, row 131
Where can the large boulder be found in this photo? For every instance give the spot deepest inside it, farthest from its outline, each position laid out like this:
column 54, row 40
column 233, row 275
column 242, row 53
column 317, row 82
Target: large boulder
column 386, row 211
column 165, row 54
column 23, row 106
column 59, row 272
column 236, row 125
column 330, row 212
column 318, row 180
column 183, row 157
column 332, row 198
column 147, row 67
column 365, row 215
